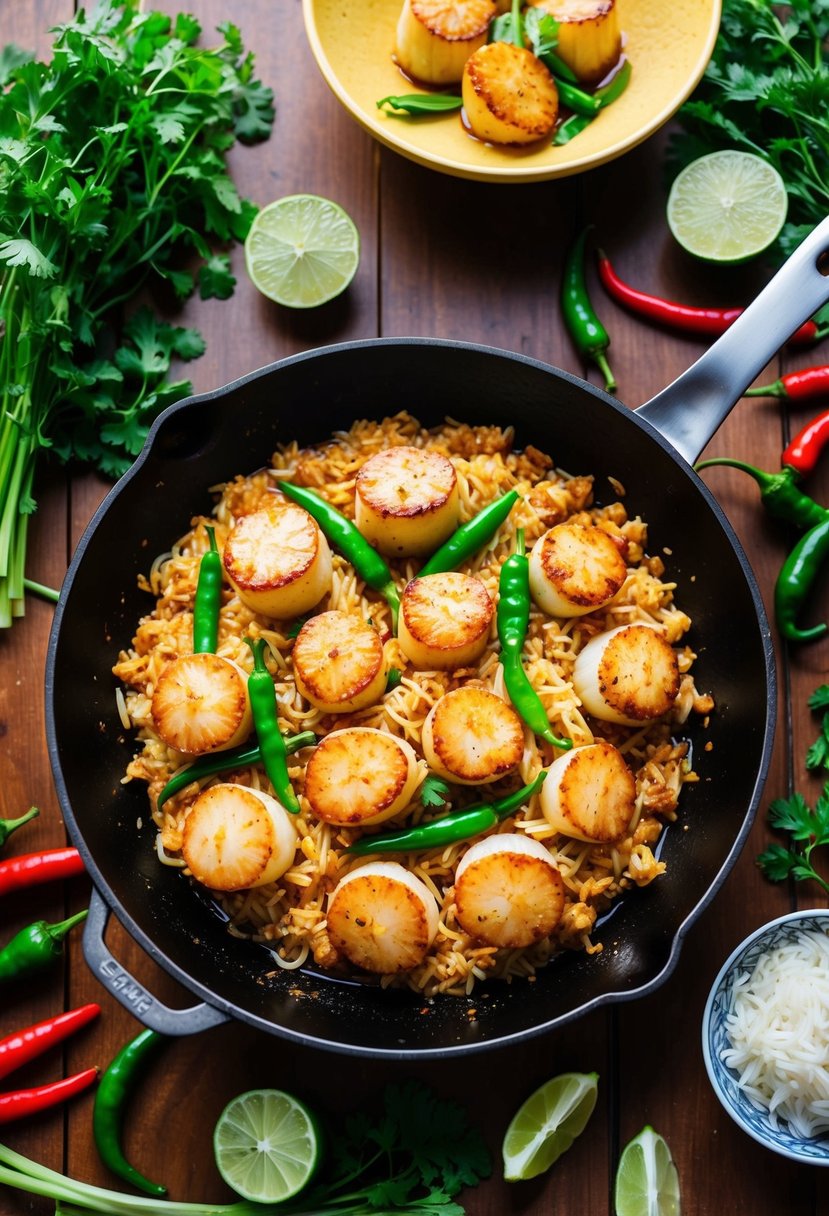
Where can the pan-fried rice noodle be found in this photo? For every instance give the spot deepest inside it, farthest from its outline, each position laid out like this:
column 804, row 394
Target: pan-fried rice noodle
column 779, row 1034
column 290, row 914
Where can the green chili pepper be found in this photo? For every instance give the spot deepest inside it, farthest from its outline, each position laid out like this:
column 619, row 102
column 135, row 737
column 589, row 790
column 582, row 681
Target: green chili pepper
column 512, row 617
column 577, row 100
column 778, row 492
column 265, row 719
column 208, row 599
column 422, row 103
column 111, row 1097
column 7, row 826
column 589, row 335
column 36, row 947
column 346, row 536
column 607, row 94
column 222, row 762
column 795, row 579
column 471, row 536
column 448, row 829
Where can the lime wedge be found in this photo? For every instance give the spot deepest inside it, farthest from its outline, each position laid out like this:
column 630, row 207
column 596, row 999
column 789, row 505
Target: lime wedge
column 267, row 1145
column 646, row 1180
column 302, row 250
column 727, row 206
column 546, row 1124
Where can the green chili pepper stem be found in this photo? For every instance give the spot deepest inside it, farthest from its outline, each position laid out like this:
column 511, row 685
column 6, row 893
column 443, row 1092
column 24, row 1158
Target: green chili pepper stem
column 779, row 492
column 7, row 826
column 795, row 580
column 208, row 598
column 346, row 536
column 221, row 762
column 266, row 720
column 108, row 1112
column 36, row 947
column 590, row 337
column 471, row 536
column 448, row 829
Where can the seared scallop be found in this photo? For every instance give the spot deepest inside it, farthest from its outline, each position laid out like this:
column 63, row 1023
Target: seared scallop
column 201, row 704
column 589, row 36
column 509, row 95
column 382, row 918
column 436, row 37
column 235, row 837
column 339, row 664
column 628, row 675
column 444, row 621
column 508, row 891
column 360, row 776
column 590, row 793
column 278, row 560
column 574, row 569
column 406, row 501
column 471, row 736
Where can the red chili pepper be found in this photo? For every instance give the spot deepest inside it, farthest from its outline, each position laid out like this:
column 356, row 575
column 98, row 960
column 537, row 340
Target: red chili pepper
column 801, row 385
column 802, row 453
column 22, row 1102
column 31, row 868
column 24, row 1045
column 710, row 322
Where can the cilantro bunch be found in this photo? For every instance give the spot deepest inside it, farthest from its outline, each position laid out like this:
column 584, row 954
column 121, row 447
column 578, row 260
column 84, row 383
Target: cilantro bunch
column 807, row 827
column 112, row 174
column 766, row 91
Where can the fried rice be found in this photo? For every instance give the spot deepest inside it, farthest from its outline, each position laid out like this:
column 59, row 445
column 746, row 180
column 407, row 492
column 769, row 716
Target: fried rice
column 289, row 915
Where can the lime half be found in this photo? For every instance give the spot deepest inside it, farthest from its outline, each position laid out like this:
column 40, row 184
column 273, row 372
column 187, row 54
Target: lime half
column 302, row 250
column 546, row 1124
column 646, row 1180
column 727, row 206
column 267, row 1145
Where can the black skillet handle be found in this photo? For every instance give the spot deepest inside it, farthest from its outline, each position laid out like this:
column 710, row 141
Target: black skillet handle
column 690, row 410
column 132, row 995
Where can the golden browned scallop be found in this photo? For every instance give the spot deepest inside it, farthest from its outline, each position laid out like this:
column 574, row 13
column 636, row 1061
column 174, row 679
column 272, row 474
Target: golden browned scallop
column 382, row 918
column 574, row 569
column 200, row 704
column 436, row 37
column 472, row 736
column 406, row 501
column 360, row 776
column 589, row 793
column 509, row 95
column 508, row 891
column 628, row 675
column 278, row 560
column 589, row 36
column 339, row 665
column 444, row 621
column 235, row 838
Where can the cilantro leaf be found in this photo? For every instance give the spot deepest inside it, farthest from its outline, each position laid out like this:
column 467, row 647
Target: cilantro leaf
column 434, row 791
column 819, row 698
column 792, row 815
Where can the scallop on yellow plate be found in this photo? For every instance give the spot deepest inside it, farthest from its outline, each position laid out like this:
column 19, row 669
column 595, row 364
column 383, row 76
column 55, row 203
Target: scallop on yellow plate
column 667, row 46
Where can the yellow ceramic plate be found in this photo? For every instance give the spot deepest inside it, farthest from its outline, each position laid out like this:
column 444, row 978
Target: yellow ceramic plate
column 668, row 44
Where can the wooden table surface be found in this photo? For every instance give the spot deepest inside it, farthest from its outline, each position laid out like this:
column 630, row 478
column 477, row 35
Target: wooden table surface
column 451, row 259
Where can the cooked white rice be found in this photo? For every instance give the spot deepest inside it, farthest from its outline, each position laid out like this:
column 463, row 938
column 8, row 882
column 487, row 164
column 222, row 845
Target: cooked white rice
column 779, row 1034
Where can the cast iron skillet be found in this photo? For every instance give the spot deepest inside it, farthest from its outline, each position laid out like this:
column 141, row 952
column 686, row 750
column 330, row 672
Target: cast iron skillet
column 208, row 438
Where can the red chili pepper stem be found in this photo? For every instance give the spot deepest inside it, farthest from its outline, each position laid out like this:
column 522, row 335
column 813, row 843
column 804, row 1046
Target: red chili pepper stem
column 7, row 826
column 24, row 1045
column 22, row 1102
column 800, row 385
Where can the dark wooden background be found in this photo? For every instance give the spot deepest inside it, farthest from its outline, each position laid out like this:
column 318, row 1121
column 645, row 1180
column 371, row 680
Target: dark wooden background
column 452, row 259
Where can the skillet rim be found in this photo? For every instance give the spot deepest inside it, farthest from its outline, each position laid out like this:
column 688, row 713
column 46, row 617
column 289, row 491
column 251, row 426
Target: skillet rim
column 226, row 1005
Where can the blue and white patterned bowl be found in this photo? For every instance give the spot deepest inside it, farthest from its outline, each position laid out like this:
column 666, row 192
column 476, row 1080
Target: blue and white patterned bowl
column 715, row 1037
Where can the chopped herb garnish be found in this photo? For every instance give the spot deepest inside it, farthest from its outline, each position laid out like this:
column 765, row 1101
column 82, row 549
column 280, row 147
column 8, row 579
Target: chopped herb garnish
column 434, row 791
